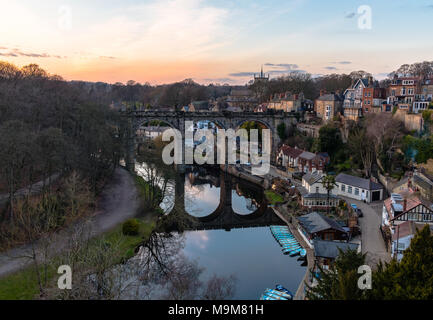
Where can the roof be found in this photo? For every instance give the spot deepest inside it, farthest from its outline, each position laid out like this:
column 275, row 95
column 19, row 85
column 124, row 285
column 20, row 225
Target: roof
column 329, row 249
column 312, row 178
column 307, row 155
column 426, row 185
column 200, row 105
column 402, row 205
column 365, row 184
column 320, row 196
column 316, row 222
column 291, row 152
column 329, row 97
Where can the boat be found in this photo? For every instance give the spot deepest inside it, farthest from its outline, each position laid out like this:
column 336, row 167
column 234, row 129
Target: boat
column 303, row 253
column 295, row 252
column 291, row 246
column 288, row 242
column 278, row 293
column 282, row 289
column 284, row 236
column 290, row 250
column 270, row 294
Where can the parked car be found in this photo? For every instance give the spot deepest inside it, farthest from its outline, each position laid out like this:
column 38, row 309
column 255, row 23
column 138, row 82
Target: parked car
column 360, row 214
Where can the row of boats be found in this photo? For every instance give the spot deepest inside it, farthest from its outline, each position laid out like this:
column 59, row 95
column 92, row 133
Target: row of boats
column 287, row 241
column 279, row 293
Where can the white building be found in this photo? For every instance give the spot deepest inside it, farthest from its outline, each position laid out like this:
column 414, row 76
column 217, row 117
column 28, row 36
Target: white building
column 358, row 188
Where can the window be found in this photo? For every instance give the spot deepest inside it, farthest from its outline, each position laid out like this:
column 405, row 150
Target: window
column 401, row 246
column 349, row 189
column 317, row 189
column 403, row 91
column 356, row 192
column 412, row 216
column 427, row 217
column 343, row 188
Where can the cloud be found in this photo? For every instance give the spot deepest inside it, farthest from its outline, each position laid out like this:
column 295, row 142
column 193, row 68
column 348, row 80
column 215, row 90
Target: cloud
column 218, row 80
column 285, row 65
column 160, row 29
column 344, row 62
column 242, row 74
column 331, row 68
column 19, row 53
column 350, row 15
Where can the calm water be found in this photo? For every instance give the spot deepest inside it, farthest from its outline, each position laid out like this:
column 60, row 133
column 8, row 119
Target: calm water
column 251, row 254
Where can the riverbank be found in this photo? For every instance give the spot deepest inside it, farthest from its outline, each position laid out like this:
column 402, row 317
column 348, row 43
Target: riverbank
column 284, row 215
column 119, row 201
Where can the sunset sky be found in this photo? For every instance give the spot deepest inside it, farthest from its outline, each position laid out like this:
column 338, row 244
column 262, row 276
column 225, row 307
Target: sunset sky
column 212, row 41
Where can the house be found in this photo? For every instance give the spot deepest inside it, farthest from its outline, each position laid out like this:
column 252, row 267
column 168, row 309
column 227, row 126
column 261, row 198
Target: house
column 286, row 102
column 401, row 92
column 400, row 208
column 261, row 108
column 311, row 162
column 242, row 98
column 373, row 97
column 358, row 188
column 352, row 105
column 328, row 105
column 326, row 252
column 312, row 182
column 402, row 237
column 318, row 226
column 314, row 195
column 288, row 156
column 197, row 106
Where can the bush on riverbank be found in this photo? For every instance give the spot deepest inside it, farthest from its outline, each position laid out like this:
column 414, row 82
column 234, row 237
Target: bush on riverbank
column 131, row 227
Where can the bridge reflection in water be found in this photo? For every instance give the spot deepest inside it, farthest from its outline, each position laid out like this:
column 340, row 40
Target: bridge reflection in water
column 224, row 216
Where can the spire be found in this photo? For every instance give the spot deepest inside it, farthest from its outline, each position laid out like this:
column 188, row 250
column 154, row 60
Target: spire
column 261, row 73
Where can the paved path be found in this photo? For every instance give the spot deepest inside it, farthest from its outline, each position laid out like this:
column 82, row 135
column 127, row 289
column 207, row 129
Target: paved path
column 372, row 240
column 119, row 201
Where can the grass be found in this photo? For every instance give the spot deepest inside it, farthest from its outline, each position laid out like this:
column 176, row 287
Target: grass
column 273, row 197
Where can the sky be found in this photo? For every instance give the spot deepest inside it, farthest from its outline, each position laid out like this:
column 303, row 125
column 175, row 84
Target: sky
column 213, row 41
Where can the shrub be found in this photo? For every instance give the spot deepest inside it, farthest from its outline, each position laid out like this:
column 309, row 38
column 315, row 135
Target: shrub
column 131, row 227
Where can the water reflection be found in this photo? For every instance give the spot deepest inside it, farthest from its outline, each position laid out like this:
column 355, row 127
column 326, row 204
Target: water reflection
column 201, row 196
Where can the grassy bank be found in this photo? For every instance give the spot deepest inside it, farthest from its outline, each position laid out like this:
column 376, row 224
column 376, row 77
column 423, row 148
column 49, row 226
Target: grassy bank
column 23, row 285
column 273, row 197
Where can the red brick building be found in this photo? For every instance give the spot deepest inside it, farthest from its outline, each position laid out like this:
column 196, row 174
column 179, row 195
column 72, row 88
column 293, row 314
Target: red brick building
column 372, row 99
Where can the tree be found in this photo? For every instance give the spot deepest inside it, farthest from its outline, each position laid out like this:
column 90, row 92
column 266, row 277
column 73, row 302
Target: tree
column 329, row 184
column 361, row 148
column 340, row 282
column 281, row 130
column 329, row 140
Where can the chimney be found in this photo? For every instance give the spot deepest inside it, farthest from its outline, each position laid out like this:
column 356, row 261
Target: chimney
column 322, row 92
column 404, row 204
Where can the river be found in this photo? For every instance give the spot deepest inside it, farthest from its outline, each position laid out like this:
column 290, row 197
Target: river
column 234, row 241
